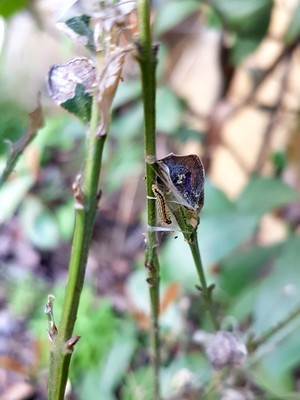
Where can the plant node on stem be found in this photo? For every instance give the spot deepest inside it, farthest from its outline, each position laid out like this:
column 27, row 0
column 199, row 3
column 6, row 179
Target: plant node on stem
column 147, row 59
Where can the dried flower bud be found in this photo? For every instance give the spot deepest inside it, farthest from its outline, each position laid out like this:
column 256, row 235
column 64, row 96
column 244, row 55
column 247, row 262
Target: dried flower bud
column 224, row 349
column 78, row 194
column 185, row 381
column 52, row 330
column 70, row 344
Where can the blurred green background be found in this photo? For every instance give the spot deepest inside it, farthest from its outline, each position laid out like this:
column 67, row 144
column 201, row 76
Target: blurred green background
column 227, row 90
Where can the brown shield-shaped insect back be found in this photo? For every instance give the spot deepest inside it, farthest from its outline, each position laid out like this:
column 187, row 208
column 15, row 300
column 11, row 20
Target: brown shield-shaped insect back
column 183, row 177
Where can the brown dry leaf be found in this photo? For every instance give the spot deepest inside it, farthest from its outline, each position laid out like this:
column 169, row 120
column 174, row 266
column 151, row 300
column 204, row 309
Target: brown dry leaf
column 36, row 121
column 169, row 296
column 108, row 84
column 142, row 319
column 33, row 160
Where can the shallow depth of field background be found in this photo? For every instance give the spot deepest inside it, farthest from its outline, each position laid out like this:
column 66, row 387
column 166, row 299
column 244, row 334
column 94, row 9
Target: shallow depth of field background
column 249, row 231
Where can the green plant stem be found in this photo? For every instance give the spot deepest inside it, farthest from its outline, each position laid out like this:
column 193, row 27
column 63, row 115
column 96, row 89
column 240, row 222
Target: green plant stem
column 206, row 291
column 147, row 61
column 182, row 215
column 84, row 222
column 253, row 344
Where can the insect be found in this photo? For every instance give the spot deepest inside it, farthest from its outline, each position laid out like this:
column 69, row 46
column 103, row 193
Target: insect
column 184, row 177
column 162, row 207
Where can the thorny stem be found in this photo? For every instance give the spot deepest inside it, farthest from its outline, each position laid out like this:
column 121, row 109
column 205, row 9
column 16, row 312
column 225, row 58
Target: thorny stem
column 190, row 235
column 84, row 222
column 206, row 291
column 253, row 344
column 147, row 61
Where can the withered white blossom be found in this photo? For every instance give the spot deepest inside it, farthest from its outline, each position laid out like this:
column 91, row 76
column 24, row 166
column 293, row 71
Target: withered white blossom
column 225, row 349
column 63, row 78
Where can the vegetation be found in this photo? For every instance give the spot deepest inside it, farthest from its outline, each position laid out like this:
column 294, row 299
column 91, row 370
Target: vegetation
column 155, row 318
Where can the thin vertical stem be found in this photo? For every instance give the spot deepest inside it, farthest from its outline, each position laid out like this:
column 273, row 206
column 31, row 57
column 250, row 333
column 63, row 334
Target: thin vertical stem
column 191, row 237
column 147, row 61
column 84, row 222
column 206, row 291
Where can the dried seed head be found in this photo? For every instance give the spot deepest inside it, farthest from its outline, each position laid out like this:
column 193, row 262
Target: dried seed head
column 183, row 380
column 225, row 349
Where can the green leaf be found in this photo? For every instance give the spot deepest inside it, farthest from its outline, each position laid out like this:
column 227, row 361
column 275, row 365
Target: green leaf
column 223, row 228
column 125, row 162
column 279, row 161
column 279, row 293
column 65, row 220
column 118, row 359
column 12, row 123
column 11, row 195
column 247, row 18
column 177, row 262
column 80, row 104
column 138, row 384
column 278, row 387
column 243, row 46
column 80, row 25
column 168, row 110
column 262, row 195
column 184, row 134
column 8, row 7
column 136, row 287
column 23, row 300
column 277, row 296
column 215, row 201
column 240, row 269
column 100, row 383
column 293, row 30
column 285, row 357
column 39, row 224
column 71, row 84
column 243, row 304
column 60, row 132
column 97, row 323
column 128, row 124
column 172, row 13
column 219, row 235
column 127, row 92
